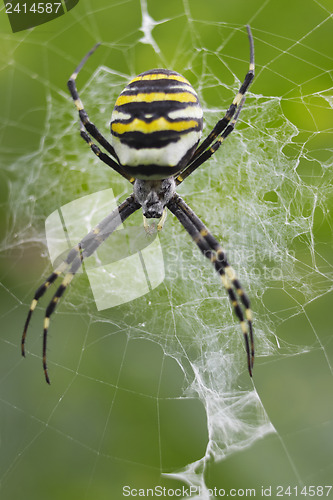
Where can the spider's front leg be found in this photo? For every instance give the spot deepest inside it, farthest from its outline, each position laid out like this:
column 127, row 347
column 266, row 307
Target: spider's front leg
column 87, row 246
column 211, row 249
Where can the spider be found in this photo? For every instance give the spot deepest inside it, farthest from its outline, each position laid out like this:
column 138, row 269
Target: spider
column 156, row 127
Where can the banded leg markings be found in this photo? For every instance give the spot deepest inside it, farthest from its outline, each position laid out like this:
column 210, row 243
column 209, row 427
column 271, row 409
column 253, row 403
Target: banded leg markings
column 212, row 249
column 49, row 310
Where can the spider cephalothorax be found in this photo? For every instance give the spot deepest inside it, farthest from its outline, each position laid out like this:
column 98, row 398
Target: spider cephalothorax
column 156, row 126
column 154, row 195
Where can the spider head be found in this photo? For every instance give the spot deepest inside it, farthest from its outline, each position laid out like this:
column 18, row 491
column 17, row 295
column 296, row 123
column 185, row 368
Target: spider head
column 154, row 195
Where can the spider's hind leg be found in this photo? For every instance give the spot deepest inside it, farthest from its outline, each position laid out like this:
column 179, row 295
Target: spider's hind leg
column 89, row 126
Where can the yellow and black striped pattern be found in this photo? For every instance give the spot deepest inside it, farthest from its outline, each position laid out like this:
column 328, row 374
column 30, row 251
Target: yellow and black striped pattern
column 156, row 124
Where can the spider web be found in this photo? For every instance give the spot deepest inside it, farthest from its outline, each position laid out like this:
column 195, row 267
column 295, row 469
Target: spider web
column 155, row 392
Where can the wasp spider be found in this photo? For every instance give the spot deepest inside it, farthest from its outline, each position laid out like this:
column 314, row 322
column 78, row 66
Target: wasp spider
column 156, row 127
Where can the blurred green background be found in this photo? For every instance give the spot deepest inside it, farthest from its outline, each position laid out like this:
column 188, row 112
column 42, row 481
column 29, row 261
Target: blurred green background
column 138, row 390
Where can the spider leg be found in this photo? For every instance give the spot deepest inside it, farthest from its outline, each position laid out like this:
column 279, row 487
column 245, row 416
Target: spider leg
column 222, row 124
column 75, row 257
column 213, row 148
column 211, row 249
column 42, row 289
column 88, row 125
column 104, row 157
